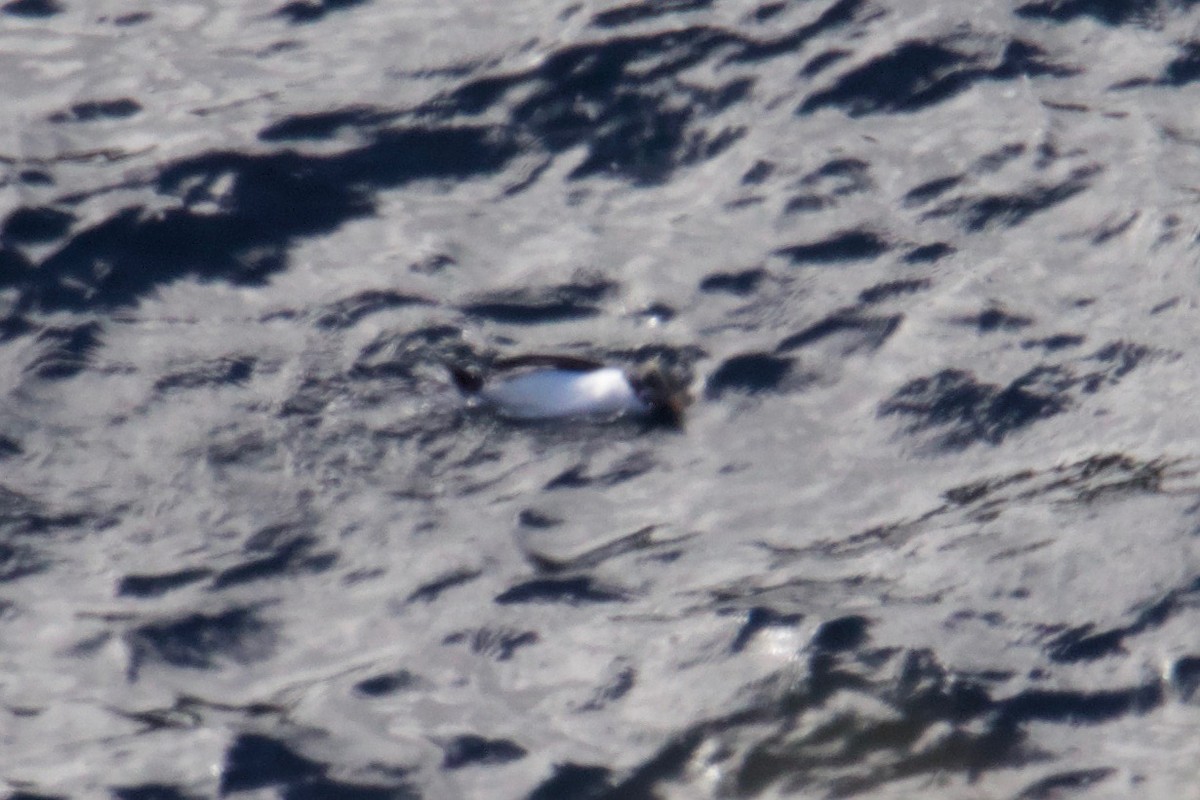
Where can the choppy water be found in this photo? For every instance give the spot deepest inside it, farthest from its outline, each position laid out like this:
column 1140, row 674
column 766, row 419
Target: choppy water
column 931, row 528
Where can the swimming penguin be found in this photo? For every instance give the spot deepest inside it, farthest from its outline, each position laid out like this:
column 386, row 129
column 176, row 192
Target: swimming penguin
column 549, row 386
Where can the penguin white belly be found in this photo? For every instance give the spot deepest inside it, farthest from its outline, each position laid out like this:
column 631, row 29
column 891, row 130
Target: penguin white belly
column 561, row 393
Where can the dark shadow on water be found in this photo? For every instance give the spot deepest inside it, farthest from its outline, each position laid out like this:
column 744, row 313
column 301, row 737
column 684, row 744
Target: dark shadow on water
column 397, row 355
column 1086, row 643
column 573, row 591
column 629, row 468
column 1059, row 341
column 640, row 12
column 938, row 724
column 1184, row 675
column 65, row 351
column 292, row 557
column 749, row 373
column 497, row 643
column 428, row 592
column 151, row 791
column 231, row 371
column 300, row 12
column 759, row 173
column 323, row 125
column 823, row 61
column 328, row 789
column 1056, row 785
column 470, row 749
column 836, row 15
column 132, row 18
column 25, row 525
column 1183, row 69
column 640, row 541
column 736, row 283
column 918, row 74
column 575, row 781
column 34, row 9
column 611, row 97
column 1109, row 12
column 993, row 319
column 841, row 634
column 1009, row 210
column 568, row 301
column 9, row 447
column 386, row 684
column 233, row 216
column 1081, row 708
column 931, row 190
column 882, row 292
column 201, row 641
column 34, row 224
column 961, row 410
column 843, row 246
column 255, row 762
column 15, row 268
column 622, row 97
column 853, row 330
column 964, row 411
column 928, row 253
column 96, row 110
column 156, row 585
column 238, row 213
column 18, row 560
column 348, row 312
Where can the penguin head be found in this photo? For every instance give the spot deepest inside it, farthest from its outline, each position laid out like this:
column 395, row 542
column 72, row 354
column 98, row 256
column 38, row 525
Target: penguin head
column 664, row 393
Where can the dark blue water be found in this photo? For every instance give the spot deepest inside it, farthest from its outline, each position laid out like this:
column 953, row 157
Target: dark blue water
column 929, row 528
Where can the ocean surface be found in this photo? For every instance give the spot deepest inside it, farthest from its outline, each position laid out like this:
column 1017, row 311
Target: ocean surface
column 931, row 527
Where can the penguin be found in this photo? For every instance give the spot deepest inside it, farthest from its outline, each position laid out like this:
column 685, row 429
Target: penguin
column 534, row 387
